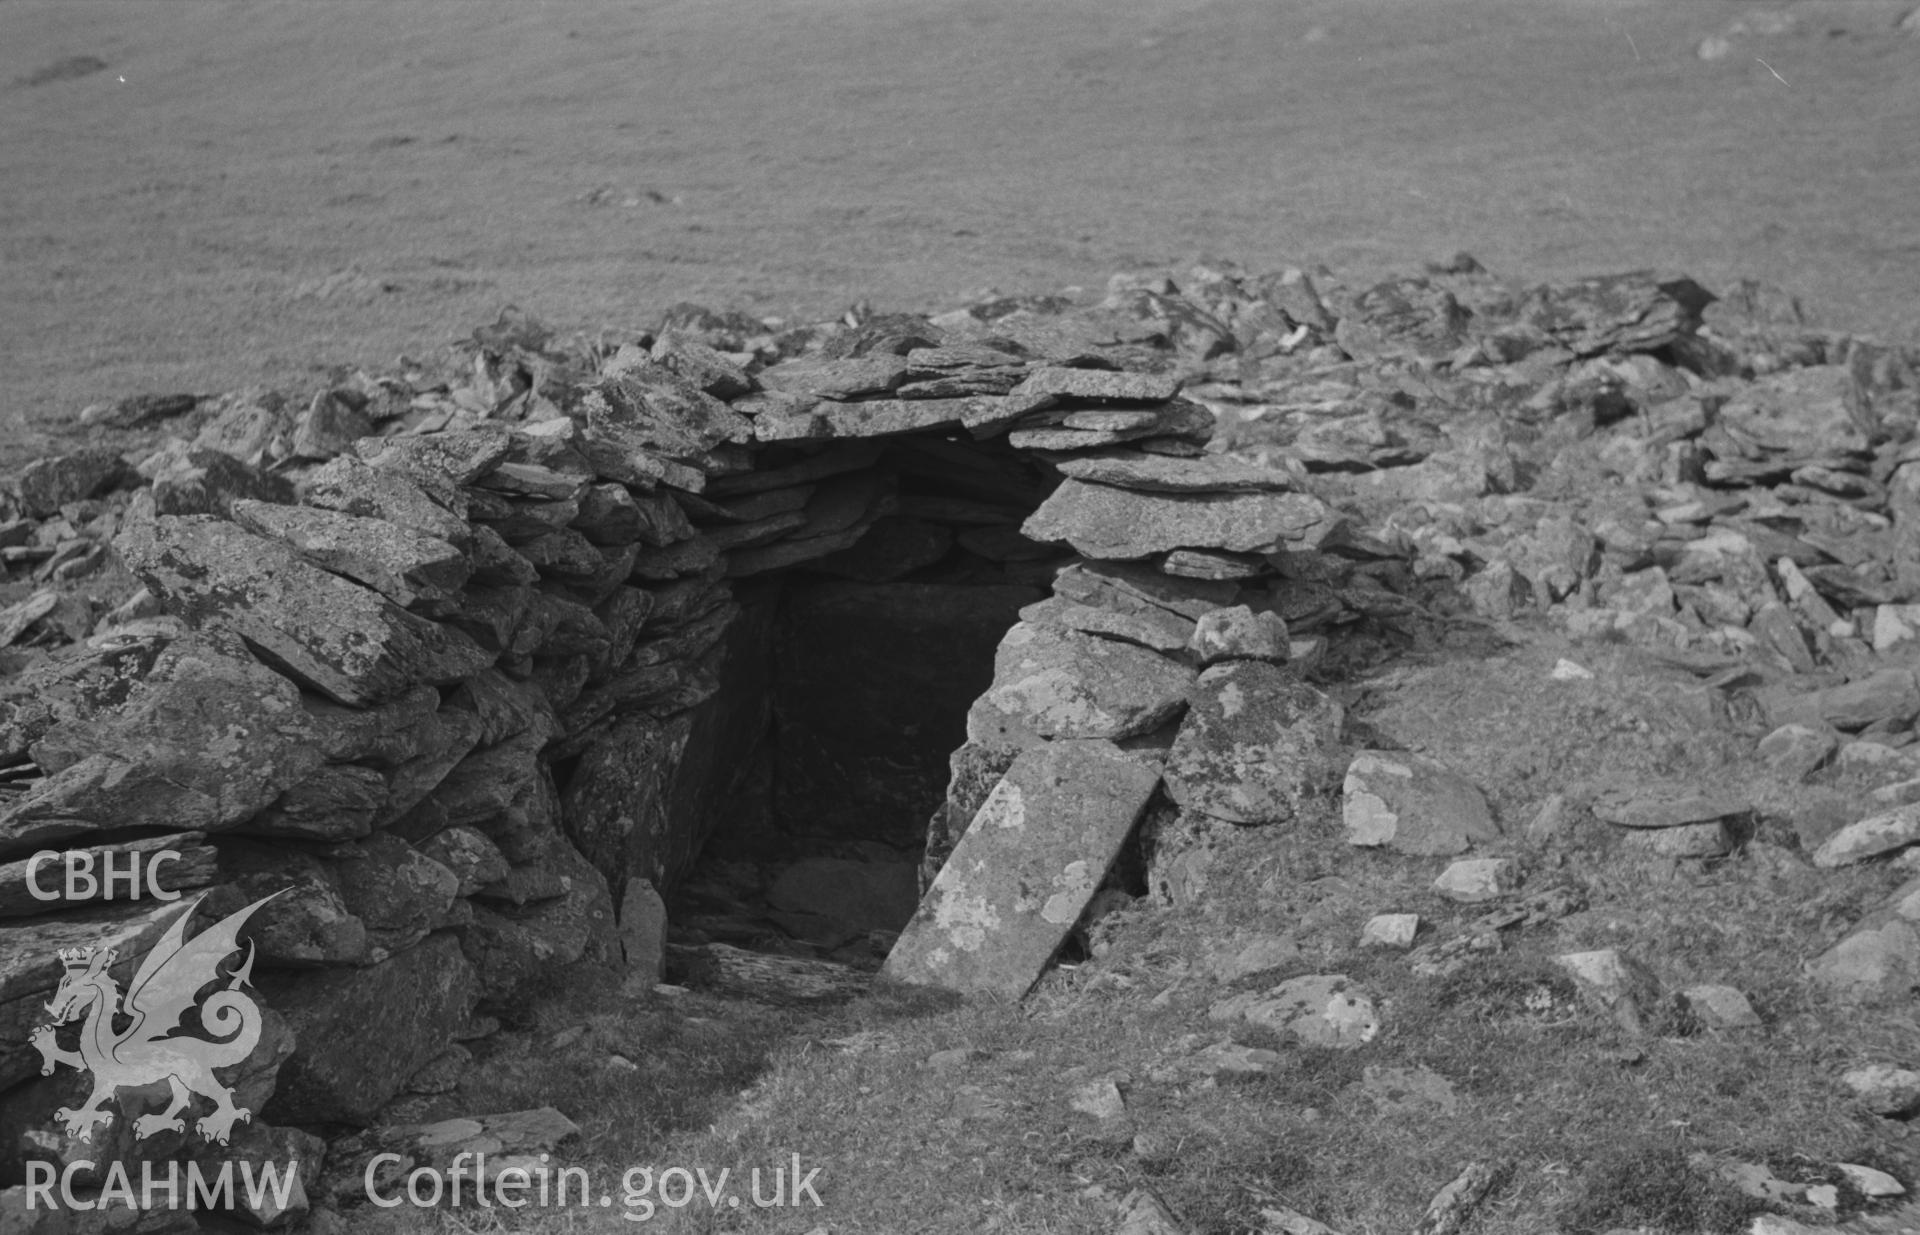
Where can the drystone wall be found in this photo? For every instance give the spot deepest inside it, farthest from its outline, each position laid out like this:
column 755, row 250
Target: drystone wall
column 445, row 666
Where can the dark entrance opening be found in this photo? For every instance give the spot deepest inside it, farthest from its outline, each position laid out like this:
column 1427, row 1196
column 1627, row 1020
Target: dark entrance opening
column 854, row 673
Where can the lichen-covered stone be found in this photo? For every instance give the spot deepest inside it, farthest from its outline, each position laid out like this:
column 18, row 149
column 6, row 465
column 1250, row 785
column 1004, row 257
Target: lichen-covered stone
column 362, row 1032
column 1319, row 1010
column 195, row 482
column 45, row 485
column 431, row 506
column 210, row 738
column 344, row 641
column 510, row 946
column 1413, row 805
column 408, row 568
column 1059, row 683
column 1257, row 744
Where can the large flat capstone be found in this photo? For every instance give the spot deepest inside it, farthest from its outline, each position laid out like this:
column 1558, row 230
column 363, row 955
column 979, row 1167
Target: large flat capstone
column 1021, row 876
column 1103, row 521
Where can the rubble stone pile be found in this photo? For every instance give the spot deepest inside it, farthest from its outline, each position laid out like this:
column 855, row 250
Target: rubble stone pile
column 457, row 664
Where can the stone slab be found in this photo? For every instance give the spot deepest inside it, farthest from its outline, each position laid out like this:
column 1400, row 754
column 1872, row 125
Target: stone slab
column 1102, row 521
column 1019, row 879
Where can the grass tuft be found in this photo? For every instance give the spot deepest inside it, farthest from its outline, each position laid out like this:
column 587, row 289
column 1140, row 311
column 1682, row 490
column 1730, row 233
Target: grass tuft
column 1650, row 1183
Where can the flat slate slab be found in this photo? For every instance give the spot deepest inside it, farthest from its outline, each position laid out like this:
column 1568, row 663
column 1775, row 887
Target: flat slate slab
column 1102, row 521
column 1161, row 474
column 1024, row 871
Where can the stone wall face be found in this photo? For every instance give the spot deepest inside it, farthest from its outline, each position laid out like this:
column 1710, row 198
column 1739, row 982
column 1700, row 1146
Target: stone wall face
column 439, row 665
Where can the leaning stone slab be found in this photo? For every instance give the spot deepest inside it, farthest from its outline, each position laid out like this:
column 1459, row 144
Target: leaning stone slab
column 1870, row 837
column 1413, row 805
column 1102, row 521
column 1061, row 683
column 346, row 642
column 1256, row 745
column 1020, row 878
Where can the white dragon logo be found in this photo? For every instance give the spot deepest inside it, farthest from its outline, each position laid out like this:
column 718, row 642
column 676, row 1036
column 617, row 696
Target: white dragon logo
column 164, row 988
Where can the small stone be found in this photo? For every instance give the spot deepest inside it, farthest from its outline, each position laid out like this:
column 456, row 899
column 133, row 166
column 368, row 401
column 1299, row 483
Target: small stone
column 1880, row 960
column 1894, row 625
column 1498, row 591
column 1689, row 840
column 1663, row 807
column 1390, row 930
column 1237, row 960
column 1549, row 821
column 1797, row 751
column 1413, row 805
column 1475, row 881
column 1720, row 1007
column 1233, row 1059
column 1613, row 981
column 1899, row 793
column 1407, row 1092
column 1862, row 753
column 1565, row 670
column 1870, row 837
column 1318, row 1009
column 1099, row 1100
column 1870, row 1182
column 1239, row 633
column 643, row 931
column 1885, row 1089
